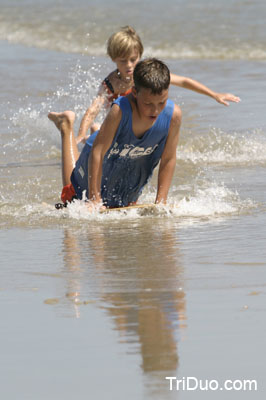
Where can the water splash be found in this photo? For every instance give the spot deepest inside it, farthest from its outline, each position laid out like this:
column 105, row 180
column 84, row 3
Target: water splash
column 30, row 134
column 205, row 203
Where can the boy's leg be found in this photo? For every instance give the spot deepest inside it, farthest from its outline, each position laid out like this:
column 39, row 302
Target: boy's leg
column 64, row 122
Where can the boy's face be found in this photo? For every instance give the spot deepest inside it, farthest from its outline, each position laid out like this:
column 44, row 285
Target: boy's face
column 126, row 64
column 150, row 105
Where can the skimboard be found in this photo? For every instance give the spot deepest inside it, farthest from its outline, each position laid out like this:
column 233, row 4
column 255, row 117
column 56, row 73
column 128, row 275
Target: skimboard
column 144, row 207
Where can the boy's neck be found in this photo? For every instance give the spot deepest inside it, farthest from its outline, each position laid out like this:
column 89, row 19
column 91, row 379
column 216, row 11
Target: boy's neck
column 126, row 79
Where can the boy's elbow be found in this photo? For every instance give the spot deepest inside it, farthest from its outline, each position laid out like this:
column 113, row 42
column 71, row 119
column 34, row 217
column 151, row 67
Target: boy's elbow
column 96, row 154
column 168, row 163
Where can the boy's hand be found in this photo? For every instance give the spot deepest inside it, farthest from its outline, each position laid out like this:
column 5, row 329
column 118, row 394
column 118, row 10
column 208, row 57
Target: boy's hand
column 94, row 205
column 224, row 98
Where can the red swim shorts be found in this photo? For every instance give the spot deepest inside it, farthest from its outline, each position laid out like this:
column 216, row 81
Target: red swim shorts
column 68, row 192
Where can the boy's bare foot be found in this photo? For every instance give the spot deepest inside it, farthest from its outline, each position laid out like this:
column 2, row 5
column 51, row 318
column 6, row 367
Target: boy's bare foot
column 62, row 120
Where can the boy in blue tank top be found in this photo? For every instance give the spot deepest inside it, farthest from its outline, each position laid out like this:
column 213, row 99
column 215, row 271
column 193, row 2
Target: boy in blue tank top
column 141, row 130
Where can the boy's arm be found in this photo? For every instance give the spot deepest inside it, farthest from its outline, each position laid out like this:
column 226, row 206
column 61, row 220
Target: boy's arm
column 198, row 87
column 168, row 160
column 100, row 146
column 92, row 112
column 89, row 116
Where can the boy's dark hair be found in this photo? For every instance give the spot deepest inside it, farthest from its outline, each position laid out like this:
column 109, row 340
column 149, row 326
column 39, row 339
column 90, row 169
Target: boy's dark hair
column 151, row 74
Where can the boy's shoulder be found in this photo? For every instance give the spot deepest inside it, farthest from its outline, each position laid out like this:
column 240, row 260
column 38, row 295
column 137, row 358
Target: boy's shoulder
column 116, row 85
column 177, row 113
column 176, row 116
column 173, row 114
column 109, row 82
column 123, row 102
column 112, row 76
column 172, row 111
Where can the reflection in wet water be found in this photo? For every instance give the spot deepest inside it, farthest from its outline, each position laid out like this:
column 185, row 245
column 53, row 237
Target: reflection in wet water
column 135, row 274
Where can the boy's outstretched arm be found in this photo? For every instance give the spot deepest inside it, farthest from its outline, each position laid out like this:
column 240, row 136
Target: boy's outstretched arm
column 100, row 146
column 188, row 83
column 168, row 160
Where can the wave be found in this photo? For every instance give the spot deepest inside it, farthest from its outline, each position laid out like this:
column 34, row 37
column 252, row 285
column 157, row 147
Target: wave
column 69, row 40
column 226, row 149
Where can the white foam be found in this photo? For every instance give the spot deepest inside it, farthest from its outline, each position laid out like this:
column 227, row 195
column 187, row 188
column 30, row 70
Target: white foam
column 218, row 147
column 205, row 203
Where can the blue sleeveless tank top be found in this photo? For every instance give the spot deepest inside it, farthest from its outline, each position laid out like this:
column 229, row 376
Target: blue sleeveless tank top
column 130, row 161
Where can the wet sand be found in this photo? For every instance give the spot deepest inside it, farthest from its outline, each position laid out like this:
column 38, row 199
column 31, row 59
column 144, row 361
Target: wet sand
column 80, row 317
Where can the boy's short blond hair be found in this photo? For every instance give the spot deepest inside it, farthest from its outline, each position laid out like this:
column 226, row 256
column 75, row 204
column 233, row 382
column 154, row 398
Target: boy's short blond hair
column 123, row 42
